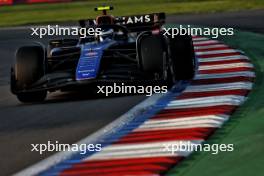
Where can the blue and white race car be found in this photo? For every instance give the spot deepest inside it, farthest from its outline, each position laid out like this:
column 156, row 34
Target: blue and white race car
column 130, row 49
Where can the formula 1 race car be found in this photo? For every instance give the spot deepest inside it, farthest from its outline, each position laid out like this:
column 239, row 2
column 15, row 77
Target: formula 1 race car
column 130, row 49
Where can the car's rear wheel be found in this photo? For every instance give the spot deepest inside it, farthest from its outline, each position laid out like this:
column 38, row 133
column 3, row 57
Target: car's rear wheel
column 182, row 55
column 153, row 57
column 28, row 68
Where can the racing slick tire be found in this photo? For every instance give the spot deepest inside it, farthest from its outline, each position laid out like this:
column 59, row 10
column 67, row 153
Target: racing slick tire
column 153, row 57
column 182, row 55
column 28, row 68
column 151, row 53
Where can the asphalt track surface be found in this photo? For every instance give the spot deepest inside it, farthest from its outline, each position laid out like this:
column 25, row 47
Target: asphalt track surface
column 68, row 117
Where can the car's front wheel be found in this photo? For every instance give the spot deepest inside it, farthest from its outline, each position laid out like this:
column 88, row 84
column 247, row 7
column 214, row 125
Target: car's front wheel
column 28, row 68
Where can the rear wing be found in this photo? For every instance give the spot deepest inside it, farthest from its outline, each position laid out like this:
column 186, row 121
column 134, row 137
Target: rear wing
column 142, row 22
column 134, row 22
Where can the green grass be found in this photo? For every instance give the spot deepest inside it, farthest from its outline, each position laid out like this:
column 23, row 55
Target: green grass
column 245, row 129
column 44, row 13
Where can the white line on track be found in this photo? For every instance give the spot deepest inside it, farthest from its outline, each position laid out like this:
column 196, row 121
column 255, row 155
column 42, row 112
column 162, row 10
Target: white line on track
column 224, row 66
column 185, row 119
column 225, row 75
column 206, row 101
column 210, row 46
column 207, row 42
column 200, row 39
column 215, row 52
column 203, row 124
column 174, row 124
column 218, row 87
column 223, row 58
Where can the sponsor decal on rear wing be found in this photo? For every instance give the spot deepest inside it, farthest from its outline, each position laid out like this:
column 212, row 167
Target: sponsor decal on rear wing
column 146, row 19
column 133, row 22
column 142, row 22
